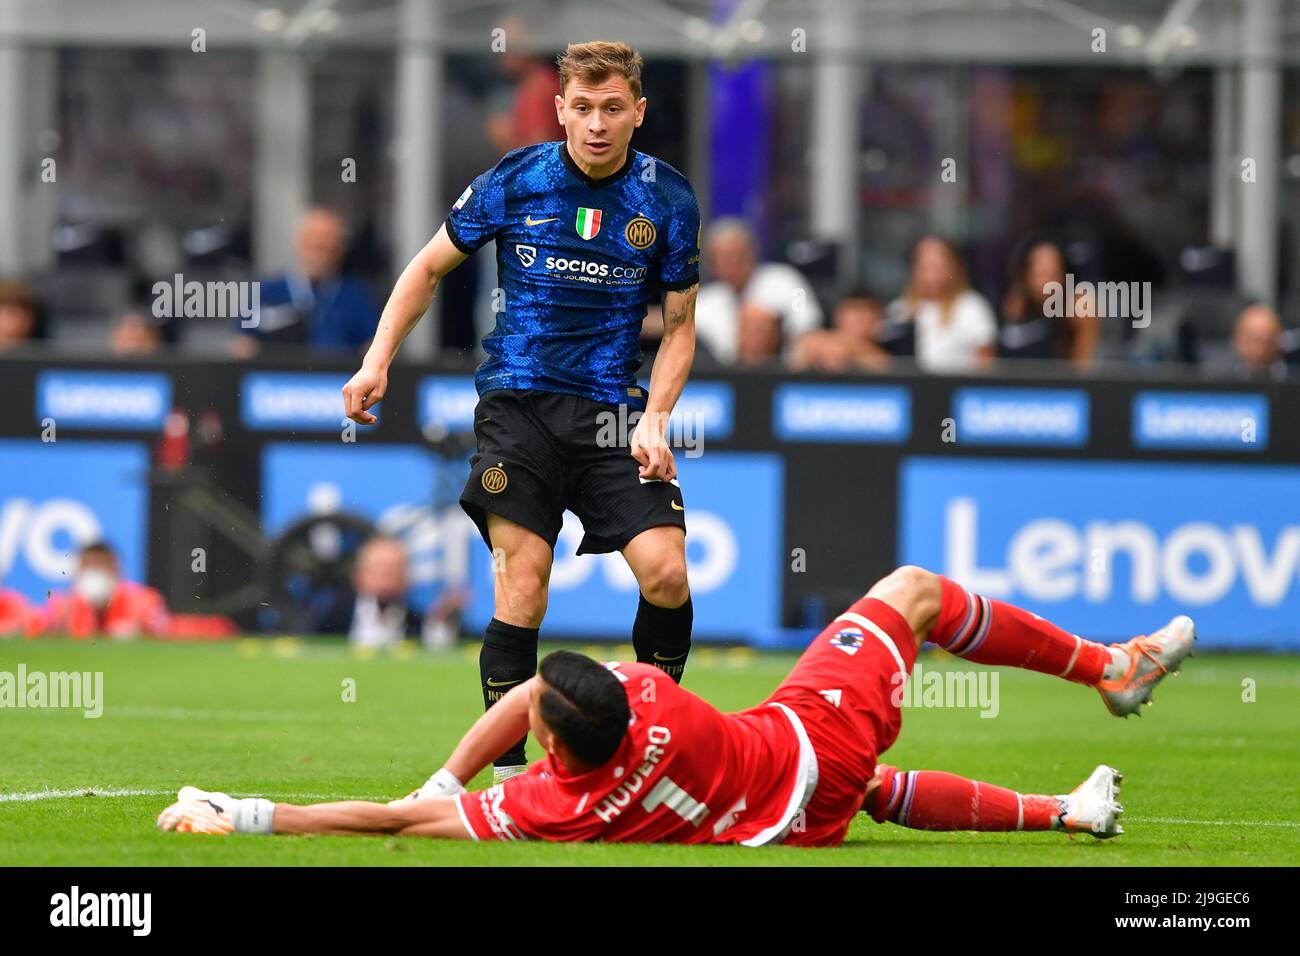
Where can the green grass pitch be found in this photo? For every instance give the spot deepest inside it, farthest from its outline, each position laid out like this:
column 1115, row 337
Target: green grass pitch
column 1209, row 777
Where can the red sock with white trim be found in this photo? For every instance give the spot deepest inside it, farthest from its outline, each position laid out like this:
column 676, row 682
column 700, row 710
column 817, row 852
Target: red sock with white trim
column 935, row 800
column 994, row 632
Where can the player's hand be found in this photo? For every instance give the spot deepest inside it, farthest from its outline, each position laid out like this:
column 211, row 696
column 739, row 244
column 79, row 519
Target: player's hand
column 363, row 391
column 652, row 451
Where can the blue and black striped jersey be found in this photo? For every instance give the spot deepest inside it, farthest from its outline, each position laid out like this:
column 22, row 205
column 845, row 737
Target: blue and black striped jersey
column 577, row 261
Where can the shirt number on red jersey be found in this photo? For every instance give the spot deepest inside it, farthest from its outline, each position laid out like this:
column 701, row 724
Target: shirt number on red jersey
column 667, row 793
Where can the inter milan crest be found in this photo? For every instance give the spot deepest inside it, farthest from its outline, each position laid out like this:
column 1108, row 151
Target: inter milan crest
column 588, row 222
column 495, row 479
column 848, row 640
column 640, row 233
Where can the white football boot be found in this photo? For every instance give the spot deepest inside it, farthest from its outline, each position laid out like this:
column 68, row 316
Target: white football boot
column 1092, row 807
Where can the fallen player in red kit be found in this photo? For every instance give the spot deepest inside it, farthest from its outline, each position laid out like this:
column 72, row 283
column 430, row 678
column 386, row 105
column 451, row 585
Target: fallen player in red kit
column 632, row 757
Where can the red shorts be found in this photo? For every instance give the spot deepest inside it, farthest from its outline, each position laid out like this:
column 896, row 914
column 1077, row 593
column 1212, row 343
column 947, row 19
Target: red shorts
column 847, row 691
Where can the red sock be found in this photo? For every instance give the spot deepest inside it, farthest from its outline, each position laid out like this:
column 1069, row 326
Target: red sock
column 934, row 800
column 994, row 632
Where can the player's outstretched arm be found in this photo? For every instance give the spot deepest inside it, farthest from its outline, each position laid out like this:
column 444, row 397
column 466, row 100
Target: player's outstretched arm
column 490, row 736
column 432, row 817
column 409, row 301
column 667, row 379
column 201, row 811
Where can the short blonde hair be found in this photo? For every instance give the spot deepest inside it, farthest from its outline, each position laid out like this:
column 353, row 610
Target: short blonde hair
column 594, row 61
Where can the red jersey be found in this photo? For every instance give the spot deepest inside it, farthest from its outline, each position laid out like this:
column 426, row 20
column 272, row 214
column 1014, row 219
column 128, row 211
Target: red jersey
column 132, row 610
column 685, row 773
column 17, row 616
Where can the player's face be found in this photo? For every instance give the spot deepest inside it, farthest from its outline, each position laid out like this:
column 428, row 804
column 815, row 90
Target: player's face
column 542, row 733
column 598, row 120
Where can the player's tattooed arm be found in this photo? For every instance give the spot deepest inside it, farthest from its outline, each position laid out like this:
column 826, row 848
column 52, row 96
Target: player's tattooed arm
column 411, row 297
column 667, row 379
column 679, row 310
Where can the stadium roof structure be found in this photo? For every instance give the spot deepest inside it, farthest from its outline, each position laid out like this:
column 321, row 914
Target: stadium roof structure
column 1157, row 33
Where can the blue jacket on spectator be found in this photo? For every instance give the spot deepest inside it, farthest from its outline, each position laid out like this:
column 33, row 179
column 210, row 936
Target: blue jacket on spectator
column 338, row 313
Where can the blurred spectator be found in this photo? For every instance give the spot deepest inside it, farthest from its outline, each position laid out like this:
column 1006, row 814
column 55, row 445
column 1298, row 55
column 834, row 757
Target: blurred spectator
column 851, row 344
column 134, row 335
column 528, row 115
column 758, row 338
column 1030, row 329
column 1256, row 345
column 315, row 304
column 376, row 613
column 102, row 603
column 17, row 616
column 20, row 316
column 955, row 327
column 740, row 283
column 652, row 336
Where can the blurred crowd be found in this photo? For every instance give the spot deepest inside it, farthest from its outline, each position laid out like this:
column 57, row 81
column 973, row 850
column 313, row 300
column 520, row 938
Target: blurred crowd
column 373, row 612
column 757, row 313
column 144, row 131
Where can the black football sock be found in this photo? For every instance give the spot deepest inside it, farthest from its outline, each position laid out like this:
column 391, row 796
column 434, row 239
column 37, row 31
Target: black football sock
column 508, row 657
column 662, row 636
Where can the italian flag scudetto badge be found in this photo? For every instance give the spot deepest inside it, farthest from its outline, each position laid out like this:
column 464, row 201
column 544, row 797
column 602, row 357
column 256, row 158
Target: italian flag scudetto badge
column 588, row 223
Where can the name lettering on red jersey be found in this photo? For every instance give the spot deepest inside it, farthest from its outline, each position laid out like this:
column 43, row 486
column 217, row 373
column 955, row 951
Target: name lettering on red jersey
column 612, row 806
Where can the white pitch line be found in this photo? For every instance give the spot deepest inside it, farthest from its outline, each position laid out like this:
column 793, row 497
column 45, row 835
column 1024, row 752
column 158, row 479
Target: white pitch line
column 21, row 797
column 1217, row 823
column 83, row 792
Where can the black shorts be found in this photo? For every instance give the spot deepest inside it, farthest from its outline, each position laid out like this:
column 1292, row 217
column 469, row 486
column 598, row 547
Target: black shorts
column 540, row 453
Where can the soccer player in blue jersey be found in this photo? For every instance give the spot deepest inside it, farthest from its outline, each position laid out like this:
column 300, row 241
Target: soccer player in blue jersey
column 588, row 231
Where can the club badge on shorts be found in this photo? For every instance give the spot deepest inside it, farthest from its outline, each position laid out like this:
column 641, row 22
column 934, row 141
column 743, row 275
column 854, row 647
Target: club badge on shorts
column 494, row 480
column 848, row 640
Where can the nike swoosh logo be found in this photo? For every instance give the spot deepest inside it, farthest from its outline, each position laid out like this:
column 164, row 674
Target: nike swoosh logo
column 677, row 507
column 502, row 683
column 530, row 221
column 660, row 657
